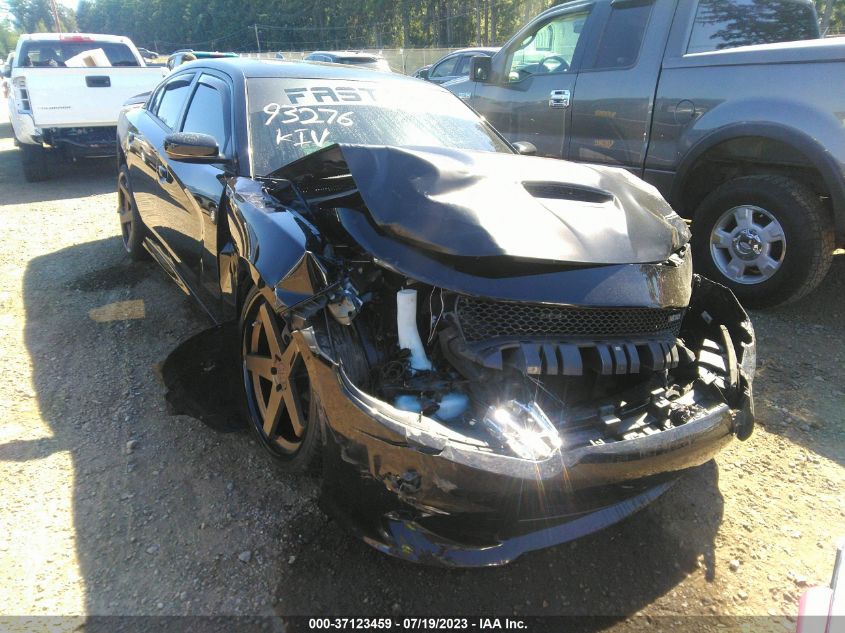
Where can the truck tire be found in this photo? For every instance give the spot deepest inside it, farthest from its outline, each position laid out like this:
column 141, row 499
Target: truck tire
column 34, row 161
column 768, row 238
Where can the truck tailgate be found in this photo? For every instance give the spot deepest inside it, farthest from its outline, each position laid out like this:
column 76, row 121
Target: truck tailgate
column 83, row 97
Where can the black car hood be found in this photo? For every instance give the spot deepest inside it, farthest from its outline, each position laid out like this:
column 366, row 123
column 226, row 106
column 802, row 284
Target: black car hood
column 474, row 204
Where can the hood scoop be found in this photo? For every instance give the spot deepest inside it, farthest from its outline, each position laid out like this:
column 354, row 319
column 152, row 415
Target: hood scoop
column 558, row 191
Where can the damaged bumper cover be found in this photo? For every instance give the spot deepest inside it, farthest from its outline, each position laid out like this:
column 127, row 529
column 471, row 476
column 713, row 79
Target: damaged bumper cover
column 419, row 490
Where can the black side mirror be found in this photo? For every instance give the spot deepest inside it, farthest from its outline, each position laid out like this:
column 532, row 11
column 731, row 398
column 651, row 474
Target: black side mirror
column 480, row 68
column 423, row 73
column 525, row 148
column 191, row 147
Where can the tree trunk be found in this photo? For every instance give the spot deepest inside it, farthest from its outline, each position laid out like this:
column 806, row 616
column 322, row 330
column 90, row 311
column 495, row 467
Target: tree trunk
column 828, row 13
column 478, row 22
column 406, row 23
column 449, row 12
column 486, row 22
column 494, row 26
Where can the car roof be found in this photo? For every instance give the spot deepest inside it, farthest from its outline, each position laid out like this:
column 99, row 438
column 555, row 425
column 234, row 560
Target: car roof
column 349, row 54
column 205, row 54
column 254, row 68
column 478, row 49
column 71, row 37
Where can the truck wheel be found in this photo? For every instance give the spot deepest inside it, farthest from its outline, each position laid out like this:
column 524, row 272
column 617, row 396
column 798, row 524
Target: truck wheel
column 768, row 238
column 34, row 160
column 132, row 229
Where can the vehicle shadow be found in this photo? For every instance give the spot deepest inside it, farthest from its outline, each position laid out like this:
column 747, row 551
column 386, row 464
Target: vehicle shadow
column 612, row 573
column 171, row 517
column 67, row 179
column 799, row 392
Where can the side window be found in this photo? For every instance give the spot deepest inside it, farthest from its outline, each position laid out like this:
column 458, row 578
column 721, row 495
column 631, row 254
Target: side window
column 721, row 24
column 623, row 36
column 155, row 99
column 207, row 114
column 462, row 67
column 172, row 97
column 549, row 49
column 446, row 68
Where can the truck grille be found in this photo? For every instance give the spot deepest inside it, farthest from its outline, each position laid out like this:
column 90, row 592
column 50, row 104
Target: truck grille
column 481, row 320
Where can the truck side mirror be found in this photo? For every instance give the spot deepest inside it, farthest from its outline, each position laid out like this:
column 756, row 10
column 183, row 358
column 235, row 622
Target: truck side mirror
column 7, row 71
column 480, row 68
column 422, row 73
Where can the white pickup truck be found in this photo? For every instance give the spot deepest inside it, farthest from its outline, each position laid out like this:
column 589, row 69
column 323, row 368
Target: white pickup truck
column 67, row 92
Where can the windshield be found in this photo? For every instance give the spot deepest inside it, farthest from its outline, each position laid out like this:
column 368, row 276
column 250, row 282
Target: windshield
column 290, row 118
column 75, row 54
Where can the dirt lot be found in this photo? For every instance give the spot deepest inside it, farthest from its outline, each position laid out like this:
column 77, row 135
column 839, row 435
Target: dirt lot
column 109, row 505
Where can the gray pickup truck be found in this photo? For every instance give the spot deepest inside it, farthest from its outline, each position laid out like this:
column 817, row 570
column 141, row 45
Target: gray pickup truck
column 714, row 102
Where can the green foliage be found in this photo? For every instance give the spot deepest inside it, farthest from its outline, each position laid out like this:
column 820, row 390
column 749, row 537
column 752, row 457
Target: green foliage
column 166, row 25
column 8, row 39
column 831, row 15
column 36, row 16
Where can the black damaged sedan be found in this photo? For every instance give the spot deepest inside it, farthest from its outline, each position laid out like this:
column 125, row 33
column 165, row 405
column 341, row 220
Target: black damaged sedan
column 488, row 352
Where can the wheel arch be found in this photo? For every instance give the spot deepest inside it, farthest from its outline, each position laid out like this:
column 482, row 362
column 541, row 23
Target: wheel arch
column 753, row 148
column 266, row 246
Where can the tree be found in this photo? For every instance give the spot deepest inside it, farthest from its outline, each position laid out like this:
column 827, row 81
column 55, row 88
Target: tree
column 8, row 38
column 36, row 16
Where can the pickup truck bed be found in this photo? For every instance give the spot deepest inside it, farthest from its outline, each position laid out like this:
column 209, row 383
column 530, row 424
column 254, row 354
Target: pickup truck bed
column 67, row 92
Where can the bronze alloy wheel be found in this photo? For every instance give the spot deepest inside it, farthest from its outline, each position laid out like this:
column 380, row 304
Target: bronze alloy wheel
column 131, row 227
column 276, row 385
column 124, row 202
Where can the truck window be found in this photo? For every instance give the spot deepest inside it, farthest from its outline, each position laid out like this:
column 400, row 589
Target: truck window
column 623, row 36
column 446, row 68
column 549, row 49
column 75, row 53
column 721, row 24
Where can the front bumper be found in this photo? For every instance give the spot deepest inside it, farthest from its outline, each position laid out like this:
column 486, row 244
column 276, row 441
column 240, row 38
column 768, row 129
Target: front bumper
column 413, row 488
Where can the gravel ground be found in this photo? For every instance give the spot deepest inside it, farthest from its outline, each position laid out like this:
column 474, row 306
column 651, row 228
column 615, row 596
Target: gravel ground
column 110, row 505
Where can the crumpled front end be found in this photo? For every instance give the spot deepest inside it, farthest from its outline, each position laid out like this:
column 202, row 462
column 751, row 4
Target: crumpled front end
column 480, row 407
column 539, row 453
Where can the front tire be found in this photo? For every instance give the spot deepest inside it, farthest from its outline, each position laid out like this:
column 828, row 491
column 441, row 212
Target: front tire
column 282, row 407
column 34, row 163
column 768, row 238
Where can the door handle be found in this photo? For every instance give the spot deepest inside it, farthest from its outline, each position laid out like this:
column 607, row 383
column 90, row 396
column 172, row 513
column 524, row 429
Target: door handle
column 559, row 98
column 98, row 81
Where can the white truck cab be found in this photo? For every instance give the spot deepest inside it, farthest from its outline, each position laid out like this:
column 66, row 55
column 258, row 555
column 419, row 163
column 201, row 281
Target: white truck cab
column 67, row 91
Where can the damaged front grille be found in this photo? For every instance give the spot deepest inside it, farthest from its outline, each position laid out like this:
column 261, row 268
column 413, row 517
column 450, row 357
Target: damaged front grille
column 481, row 320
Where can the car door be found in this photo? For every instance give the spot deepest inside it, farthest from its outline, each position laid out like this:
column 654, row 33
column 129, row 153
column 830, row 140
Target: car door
column 199, row 186
column 611, row 115
column 146, row 142
column 192, row 191
column 534, row 80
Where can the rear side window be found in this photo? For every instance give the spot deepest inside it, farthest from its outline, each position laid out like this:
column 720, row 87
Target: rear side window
column 72, row 53
column 169, row 104
column 721, row 24
column 623, row 36
column 206, row 114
